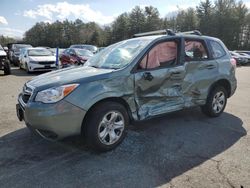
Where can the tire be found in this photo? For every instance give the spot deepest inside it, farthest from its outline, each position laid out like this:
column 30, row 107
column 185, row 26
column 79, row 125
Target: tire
column 27, row 68
column 106, row 120
column 216, row 102
column 7, row 69
column 15, row 63
column 20, row 66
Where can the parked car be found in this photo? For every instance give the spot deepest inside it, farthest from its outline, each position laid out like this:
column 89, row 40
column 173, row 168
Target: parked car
column 240, row 59
column 100, row 49
column 14, row 52
column 6, row 49
column 74, row 56
column 242, row 51
column 135, row 79
column 245, row 55
column 37, row 59
column 4, row 62
column 91, row 48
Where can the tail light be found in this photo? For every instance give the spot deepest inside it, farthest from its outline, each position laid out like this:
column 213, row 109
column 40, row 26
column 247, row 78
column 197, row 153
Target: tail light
column 233, row 62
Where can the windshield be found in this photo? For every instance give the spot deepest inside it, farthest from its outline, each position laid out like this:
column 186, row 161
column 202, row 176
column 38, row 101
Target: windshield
column 91, row 48
column 118, row 55
column 39, row 52
column 82, row 52
column 19, row 46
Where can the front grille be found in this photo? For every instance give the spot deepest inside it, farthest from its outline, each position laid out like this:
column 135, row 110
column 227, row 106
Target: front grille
column 46, row 62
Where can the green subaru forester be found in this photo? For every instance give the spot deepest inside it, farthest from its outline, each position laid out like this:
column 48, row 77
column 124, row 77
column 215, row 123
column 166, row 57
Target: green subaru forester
column 134, row 79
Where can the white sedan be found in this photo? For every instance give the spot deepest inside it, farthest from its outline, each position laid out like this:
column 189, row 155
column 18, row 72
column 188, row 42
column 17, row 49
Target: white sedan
column 37, row 59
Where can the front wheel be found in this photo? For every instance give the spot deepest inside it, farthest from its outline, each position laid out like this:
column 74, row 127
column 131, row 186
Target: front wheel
column 216, row 102
column 106, row 126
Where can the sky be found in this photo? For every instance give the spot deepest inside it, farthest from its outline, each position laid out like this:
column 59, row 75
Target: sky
column 17, row 16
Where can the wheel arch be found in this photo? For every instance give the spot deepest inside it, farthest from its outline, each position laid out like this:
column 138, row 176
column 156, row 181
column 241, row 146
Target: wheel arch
column 119, row 100
column 224, row 83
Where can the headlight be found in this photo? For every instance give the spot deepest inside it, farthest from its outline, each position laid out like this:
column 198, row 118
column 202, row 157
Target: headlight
column 55, row 94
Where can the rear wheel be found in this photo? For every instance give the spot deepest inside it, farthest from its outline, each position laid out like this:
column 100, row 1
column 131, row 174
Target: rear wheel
column 7, row 69
column 106, row 126
column 216, row 102
column 20, row 65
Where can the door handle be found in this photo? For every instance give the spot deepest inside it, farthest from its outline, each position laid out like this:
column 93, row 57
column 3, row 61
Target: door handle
column 148, row 76
column 210, row 66
column 175, row 73
column 207, row 66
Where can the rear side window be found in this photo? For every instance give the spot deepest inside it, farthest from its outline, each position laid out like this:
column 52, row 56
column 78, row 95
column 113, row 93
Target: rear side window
column 217, row 50
column 195, row 51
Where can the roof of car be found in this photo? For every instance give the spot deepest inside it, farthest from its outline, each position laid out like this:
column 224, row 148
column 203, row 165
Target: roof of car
column 170, row 34
column 159, row 37
column 82, row 45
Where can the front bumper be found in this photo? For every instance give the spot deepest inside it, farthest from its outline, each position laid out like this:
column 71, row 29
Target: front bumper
column 51, row 121
column 38, row 67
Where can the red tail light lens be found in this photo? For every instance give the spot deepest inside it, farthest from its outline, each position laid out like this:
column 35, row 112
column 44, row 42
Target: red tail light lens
column 233, row 62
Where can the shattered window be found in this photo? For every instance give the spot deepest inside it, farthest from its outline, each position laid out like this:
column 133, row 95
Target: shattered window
column 118, row 55
column 163, row 54
column 195, row 51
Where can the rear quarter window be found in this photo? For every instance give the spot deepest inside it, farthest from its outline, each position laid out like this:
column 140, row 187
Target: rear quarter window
column 217, row 50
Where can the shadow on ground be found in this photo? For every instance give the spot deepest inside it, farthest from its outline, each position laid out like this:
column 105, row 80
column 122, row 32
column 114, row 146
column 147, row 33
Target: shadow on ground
column 21, row 72
column 154, row 152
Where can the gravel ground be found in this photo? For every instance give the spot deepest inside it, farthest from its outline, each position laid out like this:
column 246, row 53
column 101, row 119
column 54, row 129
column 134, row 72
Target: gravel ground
column 181, row 149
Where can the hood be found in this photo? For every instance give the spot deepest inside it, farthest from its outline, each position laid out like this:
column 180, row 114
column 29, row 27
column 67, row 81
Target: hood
column 42, row 58
column 67, row 76
column 84, row 57
column 2, row 53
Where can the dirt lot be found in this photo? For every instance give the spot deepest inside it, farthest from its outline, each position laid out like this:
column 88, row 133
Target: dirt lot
column 181, row 149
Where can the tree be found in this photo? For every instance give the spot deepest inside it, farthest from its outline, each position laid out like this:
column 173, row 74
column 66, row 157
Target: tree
column 153, row 21
column 205, row 17
column 5, row 40
column 226, row 19
column 120, row 28
column 186, row 20
column 136, row 21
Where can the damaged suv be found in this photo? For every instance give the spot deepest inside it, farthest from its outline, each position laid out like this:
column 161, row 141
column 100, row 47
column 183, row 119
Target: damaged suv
column 134, row 79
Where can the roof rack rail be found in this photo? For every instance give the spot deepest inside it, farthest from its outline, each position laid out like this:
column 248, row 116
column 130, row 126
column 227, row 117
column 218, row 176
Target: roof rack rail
column 194, row 32
column 164, row 31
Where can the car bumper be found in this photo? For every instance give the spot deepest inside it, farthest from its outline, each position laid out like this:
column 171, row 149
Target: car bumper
column 51, row 121
column 39, row 67
column 233, row 87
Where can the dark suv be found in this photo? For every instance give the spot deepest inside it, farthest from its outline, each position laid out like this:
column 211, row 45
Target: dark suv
column 4, row 63
column 14, row 52
column 134, row 79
